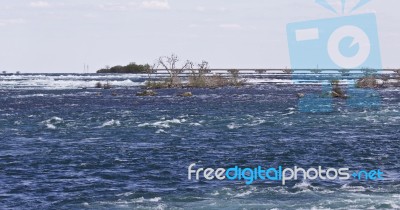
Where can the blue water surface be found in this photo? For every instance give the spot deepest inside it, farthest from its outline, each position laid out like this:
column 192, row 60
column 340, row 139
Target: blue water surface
column 92, row 149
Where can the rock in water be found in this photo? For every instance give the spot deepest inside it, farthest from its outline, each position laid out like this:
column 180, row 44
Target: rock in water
column 146, row 93
column 186, row 94
column 300, row 95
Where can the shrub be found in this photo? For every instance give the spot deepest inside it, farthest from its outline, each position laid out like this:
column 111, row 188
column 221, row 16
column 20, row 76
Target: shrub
column 214, row 81
column 99, row 85
column 198, row 81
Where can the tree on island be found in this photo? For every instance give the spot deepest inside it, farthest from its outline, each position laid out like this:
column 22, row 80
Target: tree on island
column 169, row 63
column 131, row 68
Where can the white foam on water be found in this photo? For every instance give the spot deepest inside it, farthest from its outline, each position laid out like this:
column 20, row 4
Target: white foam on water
column 160, row 131
column 195, row 124
column 346, row 187
column 111, row 123
column 156, row 199
column 34, row 95
column 275, row 81
column 319, row 208
column 255, row 122
column 289, row 113
column 142, row 200
column 138, row 200
column 243, row 194
column 215, row 193
column 56, row 119
column 304, row 185
column 125, row 194
column 163, row 123
column 51, row 126
column 232, row 126
column 251, row 122
column 66, row 81
column 72, row 76
column 52, row 122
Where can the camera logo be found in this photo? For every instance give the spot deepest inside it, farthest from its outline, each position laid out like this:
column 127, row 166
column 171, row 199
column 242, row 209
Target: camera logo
column 349, row 42
column 359, row 40
column 327, row 47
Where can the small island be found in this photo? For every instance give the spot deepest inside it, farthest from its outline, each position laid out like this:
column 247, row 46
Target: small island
column 131, row 68
column 198, row 75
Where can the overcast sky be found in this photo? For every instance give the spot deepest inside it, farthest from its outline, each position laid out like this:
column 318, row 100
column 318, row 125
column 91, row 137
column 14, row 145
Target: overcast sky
column 61, row 35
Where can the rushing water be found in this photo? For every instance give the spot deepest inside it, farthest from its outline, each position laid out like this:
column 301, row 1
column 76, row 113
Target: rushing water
column 64, row 147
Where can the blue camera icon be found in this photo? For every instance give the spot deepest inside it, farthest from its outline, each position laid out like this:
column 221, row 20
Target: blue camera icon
column 349, row 42
column 328, row 46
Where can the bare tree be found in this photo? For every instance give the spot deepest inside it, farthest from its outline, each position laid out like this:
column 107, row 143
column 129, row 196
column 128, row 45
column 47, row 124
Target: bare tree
column 170, row 63
column 198, row 75
column 204, row 67
column 151, row 69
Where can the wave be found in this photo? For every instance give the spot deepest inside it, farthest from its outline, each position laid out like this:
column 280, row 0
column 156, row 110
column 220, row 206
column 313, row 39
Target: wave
column 142, row 200
column 163, row 124
column 64, row 84
column 249, row 121
column 111, row 123
column 52, row 122
column 72, row 76
column 67, row 81
column 275, row 81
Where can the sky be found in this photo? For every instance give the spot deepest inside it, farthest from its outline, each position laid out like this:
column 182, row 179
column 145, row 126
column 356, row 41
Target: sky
column 61, row 36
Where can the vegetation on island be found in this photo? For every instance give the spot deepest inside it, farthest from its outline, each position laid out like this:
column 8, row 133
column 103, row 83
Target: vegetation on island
column 196, row 75
column 131, row 68
column 179, row 74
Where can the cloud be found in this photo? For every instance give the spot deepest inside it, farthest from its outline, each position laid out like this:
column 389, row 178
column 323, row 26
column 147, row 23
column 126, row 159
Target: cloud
column 156, row 4
column 113, row 7
column 39, row 4
column 230, row 26
column 118, row 6
column 223, row 9
column 90, row 16
column 200, row 9
column 193, row 25
column 5, row 22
